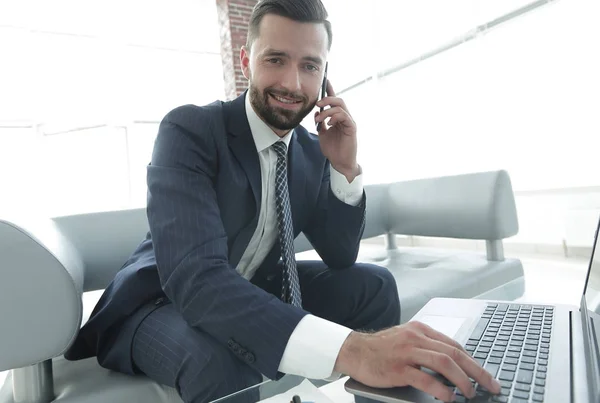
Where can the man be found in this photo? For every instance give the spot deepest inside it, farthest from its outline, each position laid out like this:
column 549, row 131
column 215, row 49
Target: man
column 213, row 298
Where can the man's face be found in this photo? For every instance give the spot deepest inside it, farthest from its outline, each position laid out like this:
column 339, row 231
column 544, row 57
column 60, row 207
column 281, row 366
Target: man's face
column 285, row 69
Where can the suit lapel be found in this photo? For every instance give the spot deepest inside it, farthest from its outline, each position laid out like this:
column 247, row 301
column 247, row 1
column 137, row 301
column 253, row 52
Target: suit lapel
column 242, row 146
column 296, row 179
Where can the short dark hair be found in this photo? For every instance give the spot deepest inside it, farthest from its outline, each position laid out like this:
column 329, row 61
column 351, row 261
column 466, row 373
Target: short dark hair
column 296, row 10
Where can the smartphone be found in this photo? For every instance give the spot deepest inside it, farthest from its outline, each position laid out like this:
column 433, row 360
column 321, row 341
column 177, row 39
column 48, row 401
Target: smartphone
column 323, row 93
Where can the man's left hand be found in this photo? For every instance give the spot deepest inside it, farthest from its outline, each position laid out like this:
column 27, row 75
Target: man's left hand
column 338, row 141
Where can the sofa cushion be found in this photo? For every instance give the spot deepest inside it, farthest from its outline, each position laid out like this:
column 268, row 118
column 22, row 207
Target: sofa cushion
column 425, row 273
column 85, row 381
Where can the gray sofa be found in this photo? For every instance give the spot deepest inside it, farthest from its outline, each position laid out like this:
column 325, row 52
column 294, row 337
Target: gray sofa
column 47, row 264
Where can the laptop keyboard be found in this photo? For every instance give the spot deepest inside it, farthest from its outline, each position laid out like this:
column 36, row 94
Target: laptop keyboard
column 512, row 342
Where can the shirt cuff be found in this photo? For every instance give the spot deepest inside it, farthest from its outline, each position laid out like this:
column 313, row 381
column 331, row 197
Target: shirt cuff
column 349, row 193
column 313, row 348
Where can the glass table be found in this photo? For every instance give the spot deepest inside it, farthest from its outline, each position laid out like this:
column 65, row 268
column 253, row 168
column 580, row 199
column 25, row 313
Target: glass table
column 271, row 388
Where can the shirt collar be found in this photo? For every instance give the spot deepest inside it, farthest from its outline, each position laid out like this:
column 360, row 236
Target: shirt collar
column 264, row 136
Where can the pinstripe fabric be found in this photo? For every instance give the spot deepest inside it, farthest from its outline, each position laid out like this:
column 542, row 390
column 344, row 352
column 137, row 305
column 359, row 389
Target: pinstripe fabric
column 171, row 352
column 204, row 193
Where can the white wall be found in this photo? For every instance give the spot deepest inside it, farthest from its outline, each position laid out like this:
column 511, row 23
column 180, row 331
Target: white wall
column 523, row 98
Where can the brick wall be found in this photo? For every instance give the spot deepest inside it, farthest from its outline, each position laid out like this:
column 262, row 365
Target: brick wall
column 234, row 16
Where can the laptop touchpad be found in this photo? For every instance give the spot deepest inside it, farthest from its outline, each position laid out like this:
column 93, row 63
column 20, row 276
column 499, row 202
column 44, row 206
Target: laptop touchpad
column 448, row 325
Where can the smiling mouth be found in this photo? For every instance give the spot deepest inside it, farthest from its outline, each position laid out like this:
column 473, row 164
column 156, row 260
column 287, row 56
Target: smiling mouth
column 284, row 100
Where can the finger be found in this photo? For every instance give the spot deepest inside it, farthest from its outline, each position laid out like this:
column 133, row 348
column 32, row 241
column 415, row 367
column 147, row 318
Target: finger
column 328, row 113
column 466, row 363
column 340, row 118
column 445, row 366
column 428, row 384
column 332, row 101
column 439, row 336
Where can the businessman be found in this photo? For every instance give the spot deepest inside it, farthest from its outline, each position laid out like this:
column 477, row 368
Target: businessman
column 213, row 298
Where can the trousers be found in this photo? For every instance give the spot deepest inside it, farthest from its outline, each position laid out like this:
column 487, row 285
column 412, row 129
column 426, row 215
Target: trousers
column 169, row 351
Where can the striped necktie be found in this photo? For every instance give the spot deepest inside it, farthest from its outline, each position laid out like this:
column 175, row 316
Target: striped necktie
column 290, row 287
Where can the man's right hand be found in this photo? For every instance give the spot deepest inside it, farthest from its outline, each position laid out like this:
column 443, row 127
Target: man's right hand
column 393, row 357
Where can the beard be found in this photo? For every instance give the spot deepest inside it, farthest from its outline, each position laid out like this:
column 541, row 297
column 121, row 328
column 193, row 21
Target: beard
column 279, row 118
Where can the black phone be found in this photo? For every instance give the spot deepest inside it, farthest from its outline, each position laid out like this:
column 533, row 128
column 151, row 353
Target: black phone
column 323, row 93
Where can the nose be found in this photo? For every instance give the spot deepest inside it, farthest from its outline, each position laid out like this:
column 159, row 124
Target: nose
column 291, row 80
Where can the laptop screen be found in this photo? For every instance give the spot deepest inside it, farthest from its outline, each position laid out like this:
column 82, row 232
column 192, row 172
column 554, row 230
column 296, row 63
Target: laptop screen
column 592, row 285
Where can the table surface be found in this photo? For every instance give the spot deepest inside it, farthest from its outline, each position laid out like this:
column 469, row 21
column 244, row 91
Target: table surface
column 283, row 390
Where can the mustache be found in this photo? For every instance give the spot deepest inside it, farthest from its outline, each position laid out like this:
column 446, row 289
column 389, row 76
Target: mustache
column 286, row 94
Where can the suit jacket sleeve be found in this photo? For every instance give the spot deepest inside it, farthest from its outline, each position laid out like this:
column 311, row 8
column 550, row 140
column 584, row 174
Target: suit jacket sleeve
column 191, row 246
column 335, row 228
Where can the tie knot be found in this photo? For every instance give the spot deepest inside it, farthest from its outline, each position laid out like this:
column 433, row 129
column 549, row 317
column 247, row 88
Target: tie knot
column 280, row 148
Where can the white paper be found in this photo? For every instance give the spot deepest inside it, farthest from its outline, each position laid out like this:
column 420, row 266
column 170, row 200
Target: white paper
column 307, row 392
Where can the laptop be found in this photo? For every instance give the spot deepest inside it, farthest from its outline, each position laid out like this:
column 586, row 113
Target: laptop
column 539, row 353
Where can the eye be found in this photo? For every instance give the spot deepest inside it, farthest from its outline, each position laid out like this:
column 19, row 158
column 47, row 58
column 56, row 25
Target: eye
column 311, row 67
column 274, row 60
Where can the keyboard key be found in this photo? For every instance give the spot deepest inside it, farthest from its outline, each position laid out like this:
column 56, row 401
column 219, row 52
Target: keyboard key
column 528, row 367
column 523, row 387
column 505, row 384
column 509, row 367
column 502, row 308
column 498, row 354
column 543, row 356
column 542, row 368
column 540, row 382
column 543, row 362
column 479, row 329
column 539, row 389
column 505, row 391
column 507, row 376
column 525, row 377
column 500, row 399
column 538, row 398
column 492, row 368
column 528, row 360
column 512, row 354
column 521, row 395
column 540, row 375
column 529, row 353
column 481, row 355
column 495, row 360
column 510, row 360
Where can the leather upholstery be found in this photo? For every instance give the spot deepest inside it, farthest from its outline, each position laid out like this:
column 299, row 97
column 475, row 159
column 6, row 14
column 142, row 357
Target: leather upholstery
column 69, row 255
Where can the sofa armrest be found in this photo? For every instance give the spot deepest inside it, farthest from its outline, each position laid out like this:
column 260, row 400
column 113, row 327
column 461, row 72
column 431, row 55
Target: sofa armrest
column 41, row 283
column 470, row 206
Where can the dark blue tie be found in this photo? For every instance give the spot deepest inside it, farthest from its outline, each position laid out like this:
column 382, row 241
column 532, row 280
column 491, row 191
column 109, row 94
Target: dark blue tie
column 290, row 287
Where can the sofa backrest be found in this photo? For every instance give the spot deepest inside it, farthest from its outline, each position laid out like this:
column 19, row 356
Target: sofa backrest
column 477, row 206
column 472, row 206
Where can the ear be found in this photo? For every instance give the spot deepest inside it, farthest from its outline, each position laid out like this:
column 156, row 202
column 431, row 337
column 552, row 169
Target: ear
column 245, row 61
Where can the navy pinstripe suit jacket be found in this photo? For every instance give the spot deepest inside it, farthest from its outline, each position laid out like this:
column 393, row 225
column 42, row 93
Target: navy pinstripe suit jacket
column 204, row 192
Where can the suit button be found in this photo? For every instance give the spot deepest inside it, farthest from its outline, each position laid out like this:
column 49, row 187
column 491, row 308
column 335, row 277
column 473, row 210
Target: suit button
column 249, row 358
column 230, row 343
column 159, row 301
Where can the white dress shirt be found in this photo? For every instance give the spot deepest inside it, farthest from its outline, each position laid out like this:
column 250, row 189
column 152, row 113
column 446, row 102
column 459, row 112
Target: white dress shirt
column 315, row 343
